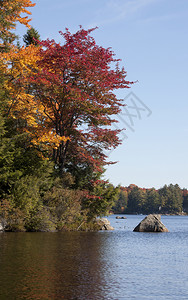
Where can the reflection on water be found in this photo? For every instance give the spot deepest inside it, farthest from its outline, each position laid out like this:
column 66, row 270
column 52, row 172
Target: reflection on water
column 51, row 265
column 104, row 265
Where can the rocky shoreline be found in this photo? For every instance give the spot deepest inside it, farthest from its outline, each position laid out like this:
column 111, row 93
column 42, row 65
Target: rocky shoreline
column 95, row 225
column 151, row 223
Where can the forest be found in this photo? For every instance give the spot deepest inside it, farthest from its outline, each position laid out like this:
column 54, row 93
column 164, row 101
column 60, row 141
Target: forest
column 169, row 199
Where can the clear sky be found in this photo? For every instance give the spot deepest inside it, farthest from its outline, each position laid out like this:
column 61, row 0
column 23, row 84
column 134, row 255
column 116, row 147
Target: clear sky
column 151, row 38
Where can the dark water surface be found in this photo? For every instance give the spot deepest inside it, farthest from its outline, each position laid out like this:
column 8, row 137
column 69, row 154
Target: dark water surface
column 119, row 264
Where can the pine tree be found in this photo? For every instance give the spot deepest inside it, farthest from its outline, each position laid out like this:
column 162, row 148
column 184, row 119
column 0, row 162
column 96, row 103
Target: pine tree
column 31, row 37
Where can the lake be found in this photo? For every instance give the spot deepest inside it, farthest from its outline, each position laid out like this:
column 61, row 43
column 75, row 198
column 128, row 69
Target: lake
column 119, row 264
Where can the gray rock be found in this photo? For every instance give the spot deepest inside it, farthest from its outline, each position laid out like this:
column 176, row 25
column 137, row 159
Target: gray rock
column 2, row 224
column 151, row 223
column 118, row 217
column 104, row 224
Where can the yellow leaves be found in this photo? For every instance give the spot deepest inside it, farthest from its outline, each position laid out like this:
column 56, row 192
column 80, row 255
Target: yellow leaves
column 24, row 21
column 18, row 65
column 12, row 10
column 48, row 138
column 52, row 138
column 21, row 60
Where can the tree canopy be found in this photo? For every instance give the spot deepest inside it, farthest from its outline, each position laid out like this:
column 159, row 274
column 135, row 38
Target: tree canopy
column 67, row 93
column 169, row 199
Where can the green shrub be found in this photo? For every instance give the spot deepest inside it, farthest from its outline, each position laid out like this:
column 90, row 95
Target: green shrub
column 41, row 220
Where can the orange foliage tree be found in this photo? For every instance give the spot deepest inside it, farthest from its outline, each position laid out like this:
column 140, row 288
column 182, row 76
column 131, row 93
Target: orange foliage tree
column 10, row 13
column 17, row 66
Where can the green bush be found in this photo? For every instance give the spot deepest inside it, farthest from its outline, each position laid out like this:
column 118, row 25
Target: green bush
column 41, row 220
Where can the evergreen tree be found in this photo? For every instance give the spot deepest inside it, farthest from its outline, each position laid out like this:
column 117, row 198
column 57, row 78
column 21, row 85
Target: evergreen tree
column 31, row 37
column 152, row 203
column 171, row 199
column 136, row 200
column 100, row 201
column 185, row 200
column 121, row 204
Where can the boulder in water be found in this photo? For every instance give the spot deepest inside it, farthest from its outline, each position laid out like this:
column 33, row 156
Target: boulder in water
column 151, row 223
column 104, row 224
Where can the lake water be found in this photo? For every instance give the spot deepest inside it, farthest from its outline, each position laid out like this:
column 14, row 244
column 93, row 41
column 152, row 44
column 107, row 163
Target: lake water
column 119, row 264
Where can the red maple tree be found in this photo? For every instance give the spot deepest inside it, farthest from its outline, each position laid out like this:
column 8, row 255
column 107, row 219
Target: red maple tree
column 75, row 84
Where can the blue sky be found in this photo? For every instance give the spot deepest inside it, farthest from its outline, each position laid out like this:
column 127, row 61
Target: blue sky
column 151, row 38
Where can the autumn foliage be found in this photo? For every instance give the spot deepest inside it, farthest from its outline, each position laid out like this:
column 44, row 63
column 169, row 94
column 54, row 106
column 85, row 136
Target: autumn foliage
column 74, row 84
column 11, row 12
column 65, row 93
column 19, row 65
column 57, row 108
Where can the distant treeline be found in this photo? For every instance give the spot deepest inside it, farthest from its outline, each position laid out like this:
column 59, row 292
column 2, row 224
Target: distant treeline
column 169, row 199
